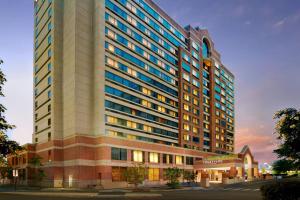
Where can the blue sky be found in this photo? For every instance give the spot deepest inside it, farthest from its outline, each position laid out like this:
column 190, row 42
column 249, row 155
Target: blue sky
column 259, row 41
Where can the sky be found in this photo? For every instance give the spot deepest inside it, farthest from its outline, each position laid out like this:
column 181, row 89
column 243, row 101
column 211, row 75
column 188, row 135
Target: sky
column 259, row 41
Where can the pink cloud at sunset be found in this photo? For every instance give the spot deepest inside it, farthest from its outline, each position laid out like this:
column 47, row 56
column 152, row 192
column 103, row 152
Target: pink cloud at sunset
column 261, row 145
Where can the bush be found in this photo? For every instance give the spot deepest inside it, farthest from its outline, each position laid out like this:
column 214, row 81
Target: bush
column 172, row 175
column 281, row 190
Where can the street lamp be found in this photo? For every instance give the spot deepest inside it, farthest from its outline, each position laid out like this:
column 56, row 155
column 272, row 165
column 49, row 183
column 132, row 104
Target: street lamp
column 15, row 175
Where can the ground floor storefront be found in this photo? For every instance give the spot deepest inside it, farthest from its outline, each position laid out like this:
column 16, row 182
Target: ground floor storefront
column 101, row 162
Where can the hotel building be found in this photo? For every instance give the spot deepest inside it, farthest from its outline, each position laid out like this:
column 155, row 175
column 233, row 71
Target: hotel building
column 118, row 82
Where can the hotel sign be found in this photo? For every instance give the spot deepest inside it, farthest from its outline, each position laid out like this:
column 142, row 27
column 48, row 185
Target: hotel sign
column 219, row 159
column 212, row 161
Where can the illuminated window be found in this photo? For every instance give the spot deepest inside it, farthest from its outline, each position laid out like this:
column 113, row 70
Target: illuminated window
column 186, row 137
column 111, row 48
column 205, row 100
column 132, row 72
column 195, row 102
column 137, row 156
column 186, row 77
column 147, row 128
column 195, row 92
column 131, row 46
column 146, row 91
column 131, row 124
column 195, row 121
column 153, row 157
column 186, row 127
column 153, row 174
column 112, row 20
column 186, row 117
column 186, row 97
column 161, row 109
column 195, row 130
column 205, row 125
column 178, row 160
column 111, row 34
column 161, row 98
column 186, row 107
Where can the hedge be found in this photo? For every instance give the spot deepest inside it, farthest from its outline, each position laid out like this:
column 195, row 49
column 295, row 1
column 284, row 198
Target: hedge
column 281, row 190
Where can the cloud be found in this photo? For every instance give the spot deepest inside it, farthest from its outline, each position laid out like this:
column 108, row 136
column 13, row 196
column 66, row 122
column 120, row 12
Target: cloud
column 290, row 19
column 248, row 22
column 280, row 23
column 261, row 145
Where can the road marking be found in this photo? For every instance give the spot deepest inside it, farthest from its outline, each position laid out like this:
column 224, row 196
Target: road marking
column 237, row 189
column 246, row 189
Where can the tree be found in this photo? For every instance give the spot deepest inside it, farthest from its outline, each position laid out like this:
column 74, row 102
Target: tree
column 5, row 169
column 6, row 146
column 38, row 174
column 189, row 176
column 173, row 175
column 288, row 131
column 282, row 166
column 136, row 175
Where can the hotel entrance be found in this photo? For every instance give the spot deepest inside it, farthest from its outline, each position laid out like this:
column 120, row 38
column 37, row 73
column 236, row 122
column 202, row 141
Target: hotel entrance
column 215, row 175
column 228, row 169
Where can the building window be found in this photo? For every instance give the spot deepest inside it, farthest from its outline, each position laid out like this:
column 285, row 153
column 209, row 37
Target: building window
column 49, row 136
column 186, row 137
column 49, row 108
column 49, row 53
column 205, row 50
column 153, row 174
column 49, row 80
column 138, row 156
column 167, row 158
column 154, row 157
column 189, row 160
column 49, row 67
column 49, row 26
column 49, row 122
column 49, row 39
column 49, row 94
column 118, row 154
column 49, row 155
column 178, row 160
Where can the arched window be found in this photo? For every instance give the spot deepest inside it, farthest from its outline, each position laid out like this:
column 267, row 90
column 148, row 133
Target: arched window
column 205, row 49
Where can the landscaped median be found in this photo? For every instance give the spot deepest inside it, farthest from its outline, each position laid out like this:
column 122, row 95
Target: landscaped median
column 288, row 188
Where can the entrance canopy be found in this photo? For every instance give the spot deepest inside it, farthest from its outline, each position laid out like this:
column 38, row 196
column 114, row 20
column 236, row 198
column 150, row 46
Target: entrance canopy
column 227, row 161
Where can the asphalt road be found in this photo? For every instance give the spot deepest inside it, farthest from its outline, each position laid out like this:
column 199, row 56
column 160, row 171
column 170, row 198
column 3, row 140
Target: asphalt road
column 243, row 191
column 230, row 194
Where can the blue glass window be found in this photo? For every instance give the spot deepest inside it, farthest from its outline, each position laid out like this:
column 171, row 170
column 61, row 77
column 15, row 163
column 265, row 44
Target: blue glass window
column 49, row 66
column 49, row 39
column 218, row 97
column 49, row 80
column 205, row 50
column 206, row 92
column 49, row 94
column 186, row 67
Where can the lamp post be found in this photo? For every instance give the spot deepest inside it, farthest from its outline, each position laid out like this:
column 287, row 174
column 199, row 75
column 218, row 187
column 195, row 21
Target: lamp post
column 15, row 175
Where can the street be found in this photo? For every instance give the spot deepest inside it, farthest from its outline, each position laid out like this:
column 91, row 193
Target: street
column 242, row 191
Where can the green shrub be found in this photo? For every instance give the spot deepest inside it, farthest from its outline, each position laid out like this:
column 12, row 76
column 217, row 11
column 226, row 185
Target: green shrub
column 281, row 190
column 172, row 175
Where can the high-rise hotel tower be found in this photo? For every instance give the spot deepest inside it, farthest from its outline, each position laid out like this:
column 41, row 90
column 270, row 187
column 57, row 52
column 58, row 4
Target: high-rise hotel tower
column 119, row 81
